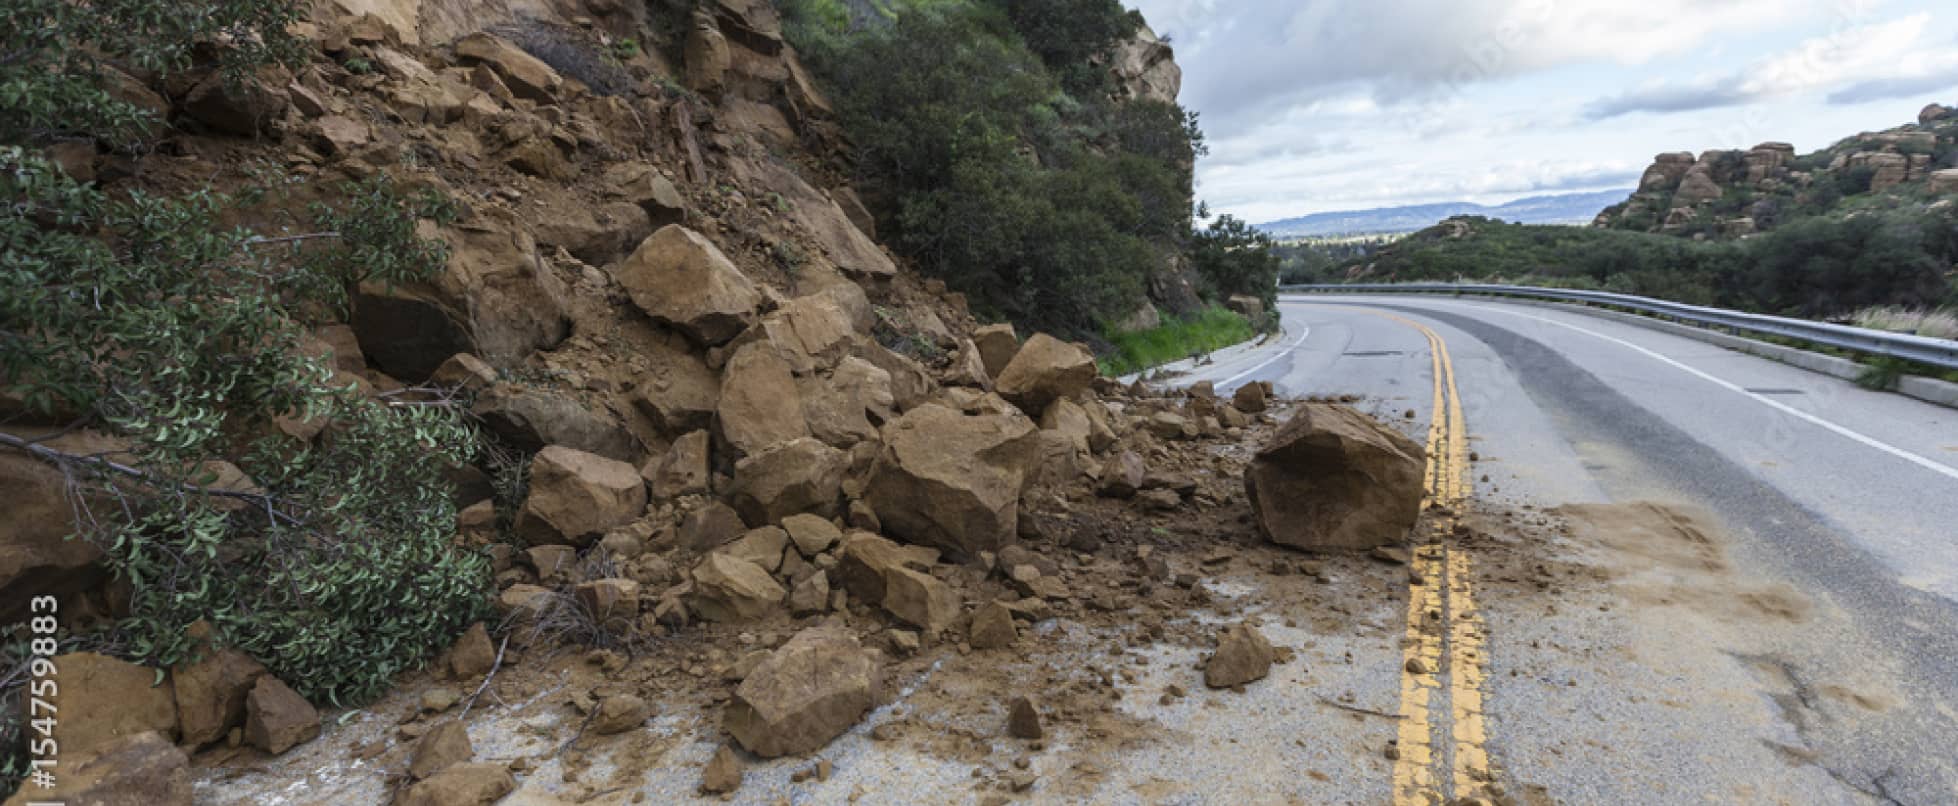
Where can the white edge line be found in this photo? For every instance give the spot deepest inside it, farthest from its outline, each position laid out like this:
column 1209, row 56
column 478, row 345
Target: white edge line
column 1307, row 331
column 1857, row 436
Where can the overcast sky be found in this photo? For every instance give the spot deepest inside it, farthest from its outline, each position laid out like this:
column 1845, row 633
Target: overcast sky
column 1346, row 104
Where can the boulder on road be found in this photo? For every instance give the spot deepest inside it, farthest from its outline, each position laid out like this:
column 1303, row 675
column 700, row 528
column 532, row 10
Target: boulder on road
column 808, row 692
column 952, row 480
column 1251, row 397
column 1243, row 655
column 1043, row 370
column 1332, row 478
column 576, row 496
column 680, row 278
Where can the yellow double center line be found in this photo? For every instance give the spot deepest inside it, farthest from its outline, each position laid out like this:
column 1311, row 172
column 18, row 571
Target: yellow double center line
column 1445, row 635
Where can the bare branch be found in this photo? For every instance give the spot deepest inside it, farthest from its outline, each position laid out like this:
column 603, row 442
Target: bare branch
column 64, row 459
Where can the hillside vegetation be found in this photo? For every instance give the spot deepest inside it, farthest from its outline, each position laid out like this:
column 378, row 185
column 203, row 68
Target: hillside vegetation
column 1872, row 220
column 1004, row 149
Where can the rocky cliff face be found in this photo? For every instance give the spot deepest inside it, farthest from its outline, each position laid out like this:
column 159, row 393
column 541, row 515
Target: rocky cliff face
column 1145, row 68
column 1739, row 192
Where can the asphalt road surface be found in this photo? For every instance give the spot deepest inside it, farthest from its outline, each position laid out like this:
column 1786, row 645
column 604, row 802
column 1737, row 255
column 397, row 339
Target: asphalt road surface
column 1775, row 554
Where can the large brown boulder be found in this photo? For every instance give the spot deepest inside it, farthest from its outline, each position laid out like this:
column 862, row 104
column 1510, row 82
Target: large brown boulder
column 680, row 278
column 911, row 383
column 866, row 560
column 801, row 475
column 1332, row 478
column 808, row 692
column 1251, row 398
column 710, row 525
column 1070, row 421
column 759, row 404
column 840, row 408
column 142, row 769
column 1044, row 369
column 952, row 480
column 211, row 693
column 103, row 699
column 277, row 719
column 731, row 589
column 496, row 299
column 680, row 396
column 813, row 332
column 576, row 496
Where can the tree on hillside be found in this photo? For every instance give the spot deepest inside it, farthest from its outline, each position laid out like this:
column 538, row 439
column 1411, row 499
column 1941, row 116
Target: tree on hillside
column 1044, row 205
column 1234, row 257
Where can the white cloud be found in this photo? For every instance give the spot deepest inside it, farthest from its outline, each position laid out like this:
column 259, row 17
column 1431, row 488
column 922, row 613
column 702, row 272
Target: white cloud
column 1862, row 54
column 1344, row 104
column 1241, row 57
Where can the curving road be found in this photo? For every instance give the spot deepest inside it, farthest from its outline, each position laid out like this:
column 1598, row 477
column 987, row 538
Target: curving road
column 1768, row 610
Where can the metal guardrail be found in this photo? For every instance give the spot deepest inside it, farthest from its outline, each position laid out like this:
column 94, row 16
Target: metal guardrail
column 1922, row 349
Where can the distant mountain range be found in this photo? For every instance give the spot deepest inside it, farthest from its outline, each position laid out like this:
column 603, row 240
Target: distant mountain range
column 1563, row 208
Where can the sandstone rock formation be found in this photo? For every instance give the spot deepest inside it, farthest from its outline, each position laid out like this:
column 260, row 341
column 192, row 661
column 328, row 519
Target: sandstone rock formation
column 680, row 278
column 1045, row 368
column 576, row 496
column 952, row 480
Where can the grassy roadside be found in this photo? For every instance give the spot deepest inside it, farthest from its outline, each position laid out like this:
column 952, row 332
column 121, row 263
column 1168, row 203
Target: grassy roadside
column 1206, row 330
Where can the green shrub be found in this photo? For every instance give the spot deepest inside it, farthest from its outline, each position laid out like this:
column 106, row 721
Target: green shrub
column 1202, row 332
column 52, row 81
column 1045, row 205
column 1232, row 257
column 143, row 318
